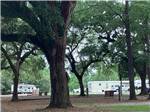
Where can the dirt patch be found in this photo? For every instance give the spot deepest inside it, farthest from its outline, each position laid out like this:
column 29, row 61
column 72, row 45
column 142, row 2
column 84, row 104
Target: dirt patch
column 80, row 104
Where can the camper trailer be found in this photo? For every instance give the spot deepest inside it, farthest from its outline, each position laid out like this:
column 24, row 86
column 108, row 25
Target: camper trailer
column 99, row 87
column 25, row 88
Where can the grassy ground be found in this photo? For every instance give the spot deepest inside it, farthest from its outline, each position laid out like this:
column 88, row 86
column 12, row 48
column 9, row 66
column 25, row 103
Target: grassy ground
column 125, row 108
column 116, row 108
column 80, row 104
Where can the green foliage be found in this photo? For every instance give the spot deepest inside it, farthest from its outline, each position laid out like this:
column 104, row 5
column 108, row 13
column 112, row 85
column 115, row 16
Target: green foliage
column 92, row 25
column 73, row 82
column 123, row 68
column 15, row 25
column 33, row 71
column 105, row 72
column 97, row 14
column 47, row 15
column 6, row 81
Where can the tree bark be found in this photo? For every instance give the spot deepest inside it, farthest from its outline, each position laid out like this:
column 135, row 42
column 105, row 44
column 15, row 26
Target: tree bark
column 147, row 48
column 141, row 70
column 16, row 79
column 80, row 79
column 129, row 53
column 78, row 76
column 15, row 87
column 143, row 83
column 59, row 84
column 15, row 69
column 55, row 54
column 148, row 73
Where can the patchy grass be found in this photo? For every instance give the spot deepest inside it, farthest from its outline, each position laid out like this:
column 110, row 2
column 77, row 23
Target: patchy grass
column 125, row 108
column 115, row 108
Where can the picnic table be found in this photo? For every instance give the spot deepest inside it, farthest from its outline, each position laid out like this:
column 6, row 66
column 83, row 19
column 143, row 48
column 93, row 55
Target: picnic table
column 109, row 93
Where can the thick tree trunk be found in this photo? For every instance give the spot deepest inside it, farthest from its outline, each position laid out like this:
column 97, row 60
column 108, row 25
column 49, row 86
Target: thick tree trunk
column 147, row 51
column 148, row 73
column 15, row 88
column 141, row 70
column 143, row 85
column 148, row 65
column 55, row 56
column 59, row 84
column 80, row 79
column 78, row 76
column 129, row 54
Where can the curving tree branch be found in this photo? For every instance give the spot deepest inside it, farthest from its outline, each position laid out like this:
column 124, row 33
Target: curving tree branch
column 9, row 60
column 19, row 9
column 20, row 38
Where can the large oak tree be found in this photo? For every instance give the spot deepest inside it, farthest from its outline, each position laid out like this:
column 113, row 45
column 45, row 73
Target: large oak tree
column 49, row 20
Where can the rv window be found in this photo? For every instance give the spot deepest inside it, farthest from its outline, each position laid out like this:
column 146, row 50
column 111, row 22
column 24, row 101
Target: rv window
column 116, row 85
column 99, row 84
column 20, row 87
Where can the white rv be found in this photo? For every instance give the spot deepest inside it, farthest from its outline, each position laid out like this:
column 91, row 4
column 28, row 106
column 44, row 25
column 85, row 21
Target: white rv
column 99, row 87
column 25, row 88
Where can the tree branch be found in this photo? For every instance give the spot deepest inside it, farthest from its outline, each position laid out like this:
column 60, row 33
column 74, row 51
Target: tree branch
column 91, row 62
column 88, row 64
column 77, row 44
column 66, row 10
column 8, row 59
column 5, row 67
column 72, row 63
column 4, row 64
column 27, row 55
column 18, row 9
column 20, row 38
column 116, row 13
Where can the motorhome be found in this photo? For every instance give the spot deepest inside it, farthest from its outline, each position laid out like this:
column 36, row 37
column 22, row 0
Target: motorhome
column 25, row 88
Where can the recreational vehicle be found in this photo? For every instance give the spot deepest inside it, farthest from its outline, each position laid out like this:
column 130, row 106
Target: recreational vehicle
column 25, row 88
column 99, row 87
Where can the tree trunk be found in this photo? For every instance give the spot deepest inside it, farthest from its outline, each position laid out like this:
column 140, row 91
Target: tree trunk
column 15, row 88
column 148, row 61
column 141, row 70
column 59, row 84
column 129, row 54
column 81, row 86
column 148, row 73
column 147, row 50
column 55, row 56
column 143, row 83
